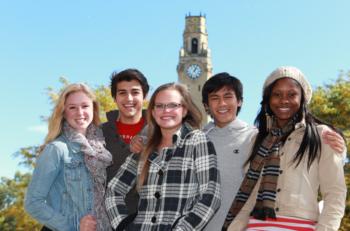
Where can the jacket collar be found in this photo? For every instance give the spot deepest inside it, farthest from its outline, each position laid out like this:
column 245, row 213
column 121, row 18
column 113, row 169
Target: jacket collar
column 301, row 124
column 73, row 146
column 180, row 134
column 236, row 125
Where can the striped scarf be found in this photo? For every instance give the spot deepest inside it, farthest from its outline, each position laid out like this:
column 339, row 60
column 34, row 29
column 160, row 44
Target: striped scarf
column 267, row 161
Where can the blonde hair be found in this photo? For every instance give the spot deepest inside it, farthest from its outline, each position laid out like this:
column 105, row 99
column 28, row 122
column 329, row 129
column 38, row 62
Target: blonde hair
column 56, row 119
column 193, row 117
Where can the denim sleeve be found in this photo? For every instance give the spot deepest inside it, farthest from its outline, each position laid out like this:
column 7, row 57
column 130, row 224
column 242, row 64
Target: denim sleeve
column 47, row 168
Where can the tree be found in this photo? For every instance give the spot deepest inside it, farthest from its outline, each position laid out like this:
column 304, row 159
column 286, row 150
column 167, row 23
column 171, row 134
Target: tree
column 12, row 214
column 331, row 104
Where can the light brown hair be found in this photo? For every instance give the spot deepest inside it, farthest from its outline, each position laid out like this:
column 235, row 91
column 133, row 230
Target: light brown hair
column 193, row 117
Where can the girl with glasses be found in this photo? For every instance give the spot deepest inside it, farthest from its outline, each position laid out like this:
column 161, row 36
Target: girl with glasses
column 176, row 174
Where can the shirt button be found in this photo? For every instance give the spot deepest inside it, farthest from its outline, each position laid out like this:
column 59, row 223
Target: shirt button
column 278, row 190
column 281, row 171
column 289, row 139
column 157, row 195
column 277, row 209
column 153, row 219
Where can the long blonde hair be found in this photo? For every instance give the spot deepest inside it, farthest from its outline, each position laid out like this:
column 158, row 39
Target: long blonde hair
column 193, row 117
column 56, row 119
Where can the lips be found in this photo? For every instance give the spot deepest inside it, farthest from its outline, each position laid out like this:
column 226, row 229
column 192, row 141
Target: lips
column 129, row 105
column 222, row 111
column 284, row 109
column 80, row 120
column 167, row 117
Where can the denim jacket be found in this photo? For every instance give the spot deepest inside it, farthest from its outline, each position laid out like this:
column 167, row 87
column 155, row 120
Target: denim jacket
column 60, row 192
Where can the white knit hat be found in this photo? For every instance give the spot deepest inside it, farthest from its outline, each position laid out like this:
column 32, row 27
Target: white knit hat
column 294, row 73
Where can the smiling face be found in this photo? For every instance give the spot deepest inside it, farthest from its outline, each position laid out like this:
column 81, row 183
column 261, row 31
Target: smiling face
column 129, row 98
column 285, row 100
column 223, row 106
column 78, row 111
column 168, row 118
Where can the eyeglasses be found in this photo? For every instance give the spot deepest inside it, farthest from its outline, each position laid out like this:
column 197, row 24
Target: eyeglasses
column 170, row 106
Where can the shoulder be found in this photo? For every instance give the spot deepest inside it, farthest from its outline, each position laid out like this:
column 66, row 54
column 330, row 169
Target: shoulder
column 243, row 126
column 322, row 127
column 112, row 115
column 197, row 137
column 54, row 151
column 208, row 127
column 325, row 147
column 59, row 146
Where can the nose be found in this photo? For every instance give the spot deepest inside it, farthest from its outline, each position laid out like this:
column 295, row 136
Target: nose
column 284, row 99
column 129, row 96
column 222, row 101
column 79, row 110
column 166, row 109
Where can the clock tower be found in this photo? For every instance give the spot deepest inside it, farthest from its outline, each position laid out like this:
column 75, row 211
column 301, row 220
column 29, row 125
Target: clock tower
column 194, row 66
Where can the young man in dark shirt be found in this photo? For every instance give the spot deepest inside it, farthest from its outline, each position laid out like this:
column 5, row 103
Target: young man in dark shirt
column 129, row 88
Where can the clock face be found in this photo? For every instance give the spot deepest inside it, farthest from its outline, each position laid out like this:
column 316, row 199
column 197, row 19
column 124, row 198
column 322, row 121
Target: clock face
column 194, row 71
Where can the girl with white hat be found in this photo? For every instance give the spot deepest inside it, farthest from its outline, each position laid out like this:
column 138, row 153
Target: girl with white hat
column 289, row 164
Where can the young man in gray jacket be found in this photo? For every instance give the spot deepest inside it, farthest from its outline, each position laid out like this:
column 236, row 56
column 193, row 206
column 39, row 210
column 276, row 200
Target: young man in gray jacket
column 222, row 96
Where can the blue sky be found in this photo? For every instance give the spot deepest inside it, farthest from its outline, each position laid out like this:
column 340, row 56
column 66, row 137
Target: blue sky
column 86, row 41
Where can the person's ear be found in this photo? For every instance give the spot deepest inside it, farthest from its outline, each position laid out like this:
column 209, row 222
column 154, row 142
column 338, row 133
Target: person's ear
column 184, row 112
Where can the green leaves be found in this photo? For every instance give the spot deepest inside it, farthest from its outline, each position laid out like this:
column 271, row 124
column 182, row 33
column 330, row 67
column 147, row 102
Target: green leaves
column 331, row 103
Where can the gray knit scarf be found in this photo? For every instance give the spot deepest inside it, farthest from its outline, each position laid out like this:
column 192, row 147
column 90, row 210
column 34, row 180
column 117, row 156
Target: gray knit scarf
column 96, row 159
column 266, row 163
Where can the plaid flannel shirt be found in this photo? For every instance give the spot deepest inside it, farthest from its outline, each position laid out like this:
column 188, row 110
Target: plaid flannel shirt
column 182, row 190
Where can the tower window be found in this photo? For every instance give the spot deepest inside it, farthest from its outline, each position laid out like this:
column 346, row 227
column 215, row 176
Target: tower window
column 194, row 46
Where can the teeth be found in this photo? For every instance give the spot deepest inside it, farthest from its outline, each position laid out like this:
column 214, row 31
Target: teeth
column 223, row 111
column 166, row 117
column 80, row 121
column 129, row 105
column 284, row 109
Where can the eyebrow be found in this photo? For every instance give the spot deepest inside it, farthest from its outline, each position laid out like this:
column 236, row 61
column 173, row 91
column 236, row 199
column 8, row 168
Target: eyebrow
column 133, row 89
column 74, row 104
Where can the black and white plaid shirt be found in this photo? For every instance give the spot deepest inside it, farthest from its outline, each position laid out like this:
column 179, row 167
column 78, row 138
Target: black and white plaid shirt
column 182, row 190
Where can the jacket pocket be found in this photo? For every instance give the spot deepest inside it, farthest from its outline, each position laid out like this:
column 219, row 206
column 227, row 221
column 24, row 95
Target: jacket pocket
column 73, row 170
